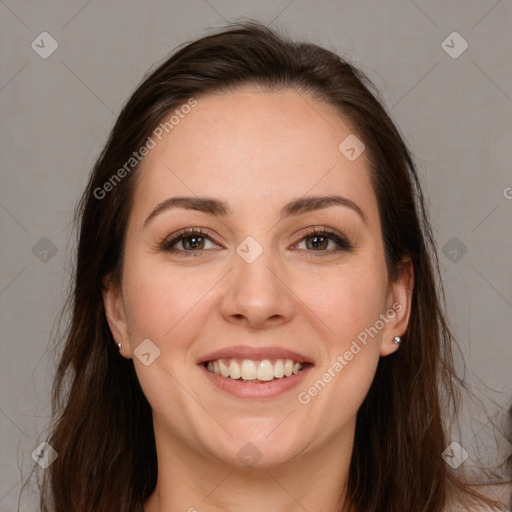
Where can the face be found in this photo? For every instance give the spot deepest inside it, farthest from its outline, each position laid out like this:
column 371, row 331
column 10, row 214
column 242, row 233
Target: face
column 256, row 285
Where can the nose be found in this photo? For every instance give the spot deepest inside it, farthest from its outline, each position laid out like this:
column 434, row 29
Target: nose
column 257, row 294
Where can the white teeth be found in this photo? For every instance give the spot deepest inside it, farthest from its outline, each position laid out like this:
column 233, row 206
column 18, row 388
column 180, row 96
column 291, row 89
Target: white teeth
column 265, row 370
column 224, row 370
column 279, row 369
column 250, row 370
column 234, row 370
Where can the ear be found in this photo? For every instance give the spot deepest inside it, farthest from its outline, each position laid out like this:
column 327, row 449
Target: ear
column 115, row 312
column 399, row 306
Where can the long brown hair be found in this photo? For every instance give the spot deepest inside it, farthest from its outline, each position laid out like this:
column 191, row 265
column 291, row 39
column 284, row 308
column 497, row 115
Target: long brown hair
column 101, row 421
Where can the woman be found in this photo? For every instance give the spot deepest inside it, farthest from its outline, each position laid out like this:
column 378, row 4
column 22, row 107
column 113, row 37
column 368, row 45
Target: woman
column 256, row 319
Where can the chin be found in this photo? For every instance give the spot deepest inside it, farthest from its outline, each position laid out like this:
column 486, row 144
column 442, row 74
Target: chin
column 259, row 450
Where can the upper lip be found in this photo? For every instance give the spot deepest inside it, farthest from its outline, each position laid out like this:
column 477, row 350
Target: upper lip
column 254, row 353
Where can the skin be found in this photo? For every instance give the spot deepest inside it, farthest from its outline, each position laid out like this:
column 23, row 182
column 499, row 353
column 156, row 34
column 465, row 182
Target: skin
column 257, row 151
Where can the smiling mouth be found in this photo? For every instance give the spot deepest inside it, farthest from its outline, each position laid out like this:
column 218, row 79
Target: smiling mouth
column 255, row 371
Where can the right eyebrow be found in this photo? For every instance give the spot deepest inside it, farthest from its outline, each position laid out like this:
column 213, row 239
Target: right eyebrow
column 201, row 204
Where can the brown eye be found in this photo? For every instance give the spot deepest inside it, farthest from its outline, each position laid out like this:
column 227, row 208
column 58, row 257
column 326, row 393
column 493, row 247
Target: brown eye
column 191, row 241
column 319, row 240
column 194, row 242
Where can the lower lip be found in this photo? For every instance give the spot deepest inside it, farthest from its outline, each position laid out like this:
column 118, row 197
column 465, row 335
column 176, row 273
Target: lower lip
column 242, row 389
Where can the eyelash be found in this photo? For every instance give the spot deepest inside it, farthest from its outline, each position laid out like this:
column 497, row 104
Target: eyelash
column 167, row 243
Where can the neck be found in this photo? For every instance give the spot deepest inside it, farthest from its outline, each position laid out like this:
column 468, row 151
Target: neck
column 190, row 481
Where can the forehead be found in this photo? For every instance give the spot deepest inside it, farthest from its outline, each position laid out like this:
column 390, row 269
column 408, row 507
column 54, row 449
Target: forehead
column 248, row 145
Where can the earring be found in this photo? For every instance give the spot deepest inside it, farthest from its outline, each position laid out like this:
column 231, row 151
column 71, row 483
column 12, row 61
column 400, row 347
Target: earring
column 120, row 345
column 397, row 340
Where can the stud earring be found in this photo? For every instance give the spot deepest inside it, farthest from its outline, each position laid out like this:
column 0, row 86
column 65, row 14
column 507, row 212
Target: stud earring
column 120, row 346
column 397, row 340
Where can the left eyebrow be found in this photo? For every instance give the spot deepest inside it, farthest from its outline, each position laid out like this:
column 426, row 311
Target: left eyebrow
column 310, row 203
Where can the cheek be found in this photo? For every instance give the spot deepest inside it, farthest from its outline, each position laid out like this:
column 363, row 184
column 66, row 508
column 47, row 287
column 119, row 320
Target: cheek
column 349, row 306
column 347, row 300
column 162, row 303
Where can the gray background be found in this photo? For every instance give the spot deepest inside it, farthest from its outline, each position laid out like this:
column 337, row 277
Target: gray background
column 56, row 112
